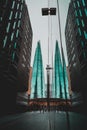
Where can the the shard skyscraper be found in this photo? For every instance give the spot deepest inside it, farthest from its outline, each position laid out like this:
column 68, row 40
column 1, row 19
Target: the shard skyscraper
column 60, row 79
column 37, row 83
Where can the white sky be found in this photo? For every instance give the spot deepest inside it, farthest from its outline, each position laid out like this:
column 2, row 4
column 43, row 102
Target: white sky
column 40, row 26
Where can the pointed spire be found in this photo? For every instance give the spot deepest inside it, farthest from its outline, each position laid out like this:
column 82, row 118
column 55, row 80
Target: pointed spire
column 37, row 83
column 60, row 76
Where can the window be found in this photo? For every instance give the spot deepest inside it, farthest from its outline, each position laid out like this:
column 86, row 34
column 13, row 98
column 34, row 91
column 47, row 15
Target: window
column 79, row 30
column 78, row 3
column 13, row 56
column 0, row 18
column 82, row 23
column 21, row 7
column 74, row 5
column 77, row 21
column 85, row 11
column 80, row 12
column 10, row 17
column 84, row 55
column 17, row 6
column 24, row 51
column 16, row 15
column 19, row 22
column 24, row 58
column 20, row 15
column 13, row 4
column 7, row 30
column 17, row 33
column 12, row 35
column 76, row 14
column 82, row 43
column 15, row 45
column 73, row 58
column 23, row 65
column 83, row 2
column 22, row 1
column 85, row 34
column 74, row 64
column 5, row 40
column 14, row 25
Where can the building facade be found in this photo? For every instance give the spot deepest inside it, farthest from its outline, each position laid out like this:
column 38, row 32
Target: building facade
column 37, row 82
column 15, row 46
column 76, row 42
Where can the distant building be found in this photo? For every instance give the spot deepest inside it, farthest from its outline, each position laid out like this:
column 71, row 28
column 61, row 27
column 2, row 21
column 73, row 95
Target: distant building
column 15, row 47
column 76, row 42
column 37, row 82
column 60, row 77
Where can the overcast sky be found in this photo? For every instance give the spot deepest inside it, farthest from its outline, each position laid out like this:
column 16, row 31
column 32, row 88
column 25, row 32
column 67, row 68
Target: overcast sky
column 40, row 26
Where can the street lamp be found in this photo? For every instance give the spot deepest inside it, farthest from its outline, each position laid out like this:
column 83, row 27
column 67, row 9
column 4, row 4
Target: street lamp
column 48, row 11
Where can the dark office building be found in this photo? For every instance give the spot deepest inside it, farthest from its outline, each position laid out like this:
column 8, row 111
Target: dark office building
column 15, row 49
column 76, row 42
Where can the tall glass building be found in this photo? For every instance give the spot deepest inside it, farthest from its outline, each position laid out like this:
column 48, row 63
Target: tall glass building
column 15, row 50
column 76, row 43
column 60, row 75
column 37, row 83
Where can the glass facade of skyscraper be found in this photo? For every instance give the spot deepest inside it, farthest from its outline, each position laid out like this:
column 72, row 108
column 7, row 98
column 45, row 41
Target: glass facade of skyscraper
column 60, row 79
column 37, row 83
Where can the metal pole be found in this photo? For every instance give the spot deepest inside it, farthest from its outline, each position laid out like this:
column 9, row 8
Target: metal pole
column 48, row 87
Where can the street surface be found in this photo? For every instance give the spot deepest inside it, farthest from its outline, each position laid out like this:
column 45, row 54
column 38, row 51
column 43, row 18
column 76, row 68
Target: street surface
column 54, row 120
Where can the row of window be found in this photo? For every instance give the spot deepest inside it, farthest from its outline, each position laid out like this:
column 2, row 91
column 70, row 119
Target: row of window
column 84, row 32
column 12, row 36
column 78, row 3
column 14, row 25
column 16, row 15
column 78, row 21
column 80, row 12
column 18, row 5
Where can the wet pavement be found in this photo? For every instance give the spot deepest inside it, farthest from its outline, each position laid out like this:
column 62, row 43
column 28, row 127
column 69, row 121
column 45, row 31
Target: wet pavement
column 53, row 120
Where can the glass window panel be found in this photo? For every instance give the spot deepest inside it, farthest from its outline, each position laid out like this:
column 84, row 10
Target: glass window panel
column 10, row 17
column 13, row 4
column 22, row 1
column 17, row 33
column 83, row 2
column 76, row 14
column 13, row 56
column 20, row 15
column 82, row 23
column 0, row 18
column 85, row 34
column 77, row 21
column 79, row 30
column 78, row 3
column 85, row 11
column 84, row 54
column 21, row 7
column 74, row 5
column 5, row 40
column 8, row 27
column 15, row 45
column 82, row 43
column 12, row 35
column 14, row 25
column 16, row 15
column 19, row 22
column 80, row 12
column 17, row 6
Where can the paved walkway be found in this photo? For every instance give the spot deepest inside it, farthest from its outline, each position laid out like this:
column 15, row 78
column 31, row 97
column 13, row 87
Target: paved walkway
column 44, row 121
